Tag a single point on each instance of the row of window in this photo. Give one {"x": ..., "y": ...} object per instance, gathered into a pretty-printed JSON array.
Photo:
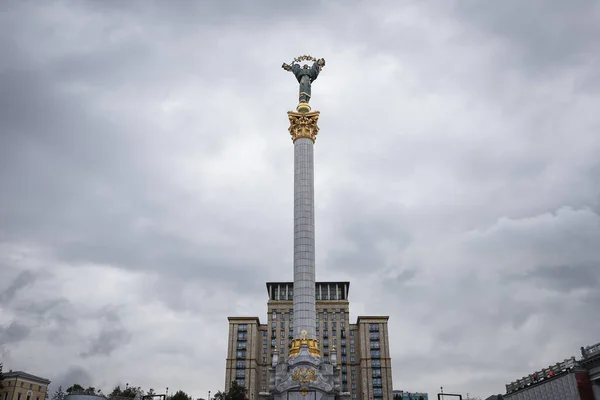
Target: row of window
[
  {"x": 8, "y": 383},
  {"x": 19, "y": 395},
  {"x": 320, "y": 315}
]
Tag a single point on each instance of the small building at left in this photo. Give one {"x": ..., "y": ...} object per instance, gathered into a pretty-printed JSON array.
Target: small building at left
[{"x": 19, "y": 385}]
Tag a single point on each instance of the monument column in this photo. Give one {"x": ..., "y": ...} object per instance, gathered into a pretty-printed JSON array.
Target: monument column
[{"x": 304, "y": 130}]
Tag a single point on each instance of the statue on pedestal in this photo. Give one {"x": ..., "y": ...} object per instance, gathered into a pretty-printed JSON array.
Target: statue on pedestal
[{"x": 306, "y": 76}]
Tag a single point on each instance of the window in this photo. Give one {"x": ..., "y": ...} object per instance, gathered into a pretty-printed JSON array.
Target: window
[
  {"x": 351, "y": 333},
  {"x": 375, "y": 354},
  {"x": 333, "y": 315},
  {"x": 344, "y": 359},
  {"x": 264, "y": 333},
  {"x": 376, "y": 373},
  {"x": 344, "y": 368},
  {"x": 342, "y": 324},
  {"x": 19, "y": 396},
  {"x": 241, "y": 382},
  {"x": 334, "y": 342},
  {"x": 352, "y": 359},
  {"x": 351, "y": 341},
  {"x": 241, "y": 345},
  {"x": 377, "y": 391},
  {"x": 265, "y": 350},
  {"x": 374, "y": 327},
  {"x": 320, "y": 315},
  {"x": 354, "y": 386},
  {"x": 282, "y": 324},
  {"x": 325, "y": 315},
  {"x": 282, "y": 341},
  {"x": 240, "y": 364},
  {"x": 353, "y": 395},
  {"x": 353, "y": 377},
  {"x": 317, "y": 325},
  {"x": 374, "y": 335},
  {"x": 376, "y": 381},
  {"x": 353, "y": 368},
  {"x": 273, "y": 342},
  {"x": 264, "y": 359},
  {"x": 344, "y": 378},
  {"x": 343, "y": 342},
  {"x": 325, "y": 342},
  {"x": 325, "y": 325},
  {"x": 334, "y": 324},
  {"x": 242, "y": 336},
  {"x": 240, "y": 354},
  {"x": 274, "y": 315},
  {"x": 375, "y": 363},
  {"x": 240, "y": 373},
  {"x": 375, "y": 345},
  {"x": 273, "y": 325},
  {"x": 334, "y": 333},
  {"x": 242, "y": 328},
  {"x": 342, "y": 315},
  {"x": 282, "y": 333},
  {"x": 351, "y": 349}
]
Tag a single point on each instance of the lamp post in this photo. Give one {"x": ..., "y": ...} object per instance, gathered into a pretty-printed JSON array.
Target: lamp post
[{"x": 209, "y": 395}]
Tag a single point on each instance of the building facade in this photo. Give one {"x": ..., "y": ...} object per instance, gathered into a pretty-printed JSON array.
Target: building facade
[
  {"x": 590, "y": 360},
  {"x": 565, "y": 380},
  {"x": 19, "y": 385},
  {"x": 361, "y": 348}
]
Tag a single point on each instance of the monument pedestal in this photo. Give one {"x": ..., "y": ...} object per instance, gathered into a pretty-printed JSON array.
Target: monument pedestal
[{"x": 304, "y": 377}]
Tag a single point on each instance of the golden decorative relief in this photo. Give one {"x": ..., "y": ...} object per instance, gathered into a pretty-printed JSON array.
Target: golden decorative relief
[
  {"x": 303, "y": 125},
  {"x": 312, "y": 344},
  {"x": 304, "y": 375}
]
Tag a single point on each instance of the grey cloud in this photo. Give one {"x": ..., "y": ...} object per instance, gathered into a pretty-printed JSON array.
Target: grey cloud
[
  {"x": 24, "y": 279},
  {"x": 542, "y": 35},
  {"x": 13, "y": 333},
  {"x": 107, "y": 341},
  {"x": 71, "y": 376}
]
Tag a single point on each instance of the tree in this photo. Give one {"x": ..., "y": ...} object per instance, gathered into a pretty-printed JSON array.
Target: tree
[
  {"x": 76, "y": 388},
  {"x": 1, "y": 377},
  {"x": 116, "y": 392},
  {"x": 59, "y": 394},
  {"x": 180, "y": 395},
  {"x": 235, "y": 392}
]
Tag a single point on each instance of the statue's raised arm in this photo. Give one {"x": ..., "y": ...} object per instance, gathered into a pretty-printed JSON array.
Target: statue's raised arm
[{"x": 305, "y": 76}]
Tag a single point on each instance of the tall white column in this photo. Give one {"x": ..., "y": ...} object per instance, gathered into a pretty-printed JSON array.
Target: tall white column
[
  {"x": 304, "y": 130},
  {"x": 304, "y": 239}
]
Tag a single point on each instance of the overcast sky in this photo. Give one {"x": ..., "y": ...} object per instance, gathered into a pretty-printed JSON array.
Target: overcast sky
[{"x": 146, "y": 182}]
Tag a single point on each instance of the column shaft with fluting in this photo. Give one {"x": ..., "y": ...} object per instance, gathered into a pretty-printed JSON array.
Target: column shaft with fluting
[
  {"x": 304, "y": 129},
  {"x": 304, "y": 239}
]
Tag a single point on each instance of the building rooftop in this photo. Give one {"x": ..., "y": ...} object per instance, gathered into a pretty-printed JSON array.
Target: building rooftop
[
  {"x": 328, "y": 291},
  {"x": 25, "y": 375}
]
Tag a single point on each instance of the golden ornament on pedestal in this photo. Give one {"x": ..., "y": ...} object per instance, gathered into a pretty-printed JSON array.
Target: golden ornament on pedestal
[{"x": 312, "y": 344}]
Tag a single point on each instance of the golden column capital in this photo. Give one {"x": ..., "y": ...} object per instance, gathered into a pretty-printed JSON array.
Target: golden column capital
[{"x": 303, "y": 125}]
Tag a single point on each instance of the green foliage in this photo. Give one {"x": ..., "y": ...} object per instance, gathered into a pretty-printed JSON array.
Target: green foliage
[
  {"x": 59, "y": 394},
  {"x": 180, "y": 395},
  {"x": 76, "y": 388},
  {"x": 236, "y": 392}
]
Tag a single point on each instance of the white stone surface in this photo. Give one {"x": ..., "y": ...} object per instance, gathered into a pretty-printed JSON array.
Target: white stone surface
[{"x": 304, "y": 239}]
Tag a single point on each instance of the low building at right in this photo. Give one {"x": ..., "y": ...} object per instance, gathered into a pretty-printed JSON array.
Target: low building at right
[
  {"x": 570, "y": 379},
  {"x": 403, "y": 395}
]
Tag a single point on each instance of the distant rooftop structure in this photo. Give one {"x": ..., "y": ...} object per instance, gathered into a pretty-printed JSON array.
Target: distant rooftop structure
[
  {"x": 544, "y": 374},
  {"x": 590, "y": 351},
  {"x": 25, "y": 375}
]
